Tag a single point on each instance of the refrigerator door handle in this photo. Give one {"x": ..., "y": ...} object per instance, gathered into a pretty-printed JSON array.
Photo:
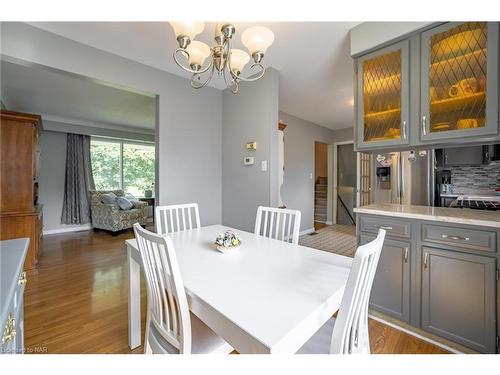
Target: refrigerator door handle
[{"x": 400, "y": 178}]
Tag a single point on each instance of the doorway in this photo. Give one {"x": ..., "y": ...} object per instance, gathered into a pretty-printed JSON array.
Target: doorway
[
  {"x": 320, "y": 184},
  {"x": 345, "y": 182}
]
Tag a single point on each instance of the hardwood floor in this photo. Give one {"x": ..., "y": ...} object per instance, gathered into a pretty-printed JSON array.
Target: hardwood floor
[
  {"x": 77, "y": 303},
  {"x": 319, "y": 225}
]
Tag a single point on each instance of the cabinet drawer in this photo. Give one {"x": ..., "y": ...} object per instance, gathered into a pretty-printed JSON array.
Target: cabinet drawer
[
  {"x": 395, "y": 228},
  {"x": 469, "y": 239}
]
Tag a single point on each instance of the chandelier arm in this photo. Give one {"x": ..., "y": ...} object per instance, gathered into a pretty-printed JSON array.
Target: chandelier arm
[
  {"x": 234, "y": 87},
  {"x": 209, "y": 78},
  {"x": 188, "y": 69},
  {"x": 240, "y": 78}
]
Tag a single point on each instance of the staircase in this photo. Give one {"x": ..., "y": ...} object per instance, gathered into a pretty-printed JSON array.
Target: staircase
[{"x": 320, "y": 191}]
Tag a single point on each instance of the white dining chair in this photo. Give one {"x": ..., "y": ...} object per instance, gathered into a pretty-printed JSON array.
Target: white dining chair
[
  {"x": 176, "y": 218},
  {"x": 348, "y": 334},
  {"x": 278, "y": 223},
  {"x": 170, "y": 327}
]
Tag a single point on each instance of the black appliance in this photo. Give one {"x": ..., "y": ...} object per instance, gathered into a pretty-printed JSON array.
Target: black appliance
[{"x": 491, "y": 203}]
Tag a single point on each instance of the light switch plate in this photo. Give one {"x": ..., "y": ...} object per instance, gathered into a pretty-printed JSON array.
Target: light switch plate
[
  {"x": 263, "y": 165},
  {"x": 248, "y": 160}
]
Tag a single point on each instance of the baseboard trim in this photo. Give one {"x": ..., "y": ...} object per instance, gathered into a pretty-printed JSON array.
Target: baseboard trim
[
  {"x": 414, "y": 334},
  {"x": 306, "y": 231},
  {"x": 66, "y": 230},
  {"x": 329, "y": 223}
]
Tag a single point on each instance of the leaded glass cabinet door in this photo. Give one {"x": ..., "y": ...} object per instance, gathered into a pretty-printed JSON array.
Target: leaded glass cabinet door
[
  {"x": 459, "y": 88},
  {"x": 383, "y": 97}
]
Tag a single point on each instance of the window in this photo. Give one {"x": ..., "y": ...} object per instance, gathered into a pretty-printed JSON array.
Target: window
[{"x": 118, "y": 164}]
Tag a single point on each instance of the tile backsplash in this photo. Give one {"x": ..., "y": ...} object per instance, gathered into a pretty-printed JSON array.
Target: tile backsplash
[{"x": 482, "y": 179}]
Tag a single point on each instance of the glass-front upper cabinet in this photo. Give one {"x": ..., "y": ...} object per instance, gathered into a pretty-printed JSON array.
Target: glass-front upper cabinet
[
  {"x": 383, "y": 97},
  {"x": 459, "y": 87}
]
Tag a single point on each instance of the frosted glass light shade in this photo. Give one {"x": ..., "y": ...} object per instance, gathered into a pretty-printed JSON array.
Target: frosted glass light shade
[
  {"x": 190, "y": 29},
  {"x": 257, "y": 39},
  {"x": 239, "y": 59},
  {"x": 198, "y": 52}
]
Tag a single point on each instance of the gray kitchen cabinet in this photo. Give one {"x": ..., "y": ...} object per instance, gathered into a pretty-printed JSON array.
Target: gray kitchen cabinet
[
  {"x": 458, "y": 297},
  {"x": 391, "y": 287},
  {"x": 459, "y": 81},
  {"x": 448, "y": 93},
  {"x": 383, "y": 98}
]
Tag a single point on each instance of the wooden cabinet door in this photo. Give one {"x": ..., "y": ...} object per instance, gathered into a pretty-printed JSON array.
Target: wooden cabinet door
[
  {"x": 391, "y": 288},
  {"x": 459, "y": 81},
  {"x": 383, "y": 97},
  {"x": 458, "y": 297}
]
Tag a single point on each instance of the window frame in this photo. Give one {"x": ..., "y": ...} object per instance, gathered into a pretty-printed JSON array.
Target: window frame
[{"x": 123, "y": 141}]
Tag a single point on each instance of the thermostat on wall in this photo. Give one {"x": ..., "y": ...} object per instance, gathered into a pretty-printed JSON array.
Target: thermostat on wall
[
  {"x": 251, "y": 145},
  {"x": 248, "y": 160}
]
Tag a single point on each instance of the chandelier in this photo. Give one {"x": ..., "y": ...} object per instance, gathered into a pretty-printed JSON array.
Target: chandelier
[{"x": 228, "y": 62}]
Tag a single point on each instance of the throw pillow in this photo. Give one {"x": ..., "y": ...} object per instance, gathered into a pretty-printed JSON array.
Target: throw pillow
[
  {"x": 124, "y": 203},
  {"x": 108, "y": 198},
  {"x": 131, "y": 198}
]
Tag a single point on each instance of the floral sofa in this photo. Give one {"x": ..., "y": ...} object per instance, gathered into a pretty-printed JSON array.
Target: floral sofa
[{"x": 111, "y": 217}]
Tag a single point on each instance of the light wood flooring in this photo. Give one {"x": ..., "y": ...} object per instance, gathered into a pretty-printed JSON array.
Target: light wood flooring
[{"x": 77, "y": 303}]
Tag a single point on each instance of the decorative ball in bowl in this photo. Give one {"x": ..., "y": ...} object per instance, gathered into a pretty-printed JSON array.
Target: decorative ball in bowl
[{"x": 227, "y": 242}]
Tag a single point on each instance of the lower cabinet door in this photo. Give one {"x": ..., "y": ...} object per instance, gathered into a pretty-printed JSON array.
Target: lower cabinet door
[
  {"x": 458, "y": 297},
  {"x": 391, "y": 288}
]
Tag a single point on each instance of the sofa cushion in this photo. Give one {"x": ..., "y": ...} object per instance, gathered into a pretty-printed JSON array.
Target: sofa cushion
[
  {"x": 124, "y": 203},
  {"x": 108, "y": 198},
  {"x": 131, "y": 198}
]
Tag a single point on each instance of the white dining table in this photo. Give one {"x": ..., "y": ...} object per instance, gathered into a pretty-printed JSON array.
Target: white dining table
[{"x": 268, "y": 296}]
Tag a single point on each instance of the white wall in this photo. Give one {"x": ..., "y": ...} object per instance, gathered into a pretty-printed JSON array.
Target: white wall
[
  {"x": 251, "y": 115},
  {"x": 189, "y": 130},
  {"x": 298, "y": 187}
]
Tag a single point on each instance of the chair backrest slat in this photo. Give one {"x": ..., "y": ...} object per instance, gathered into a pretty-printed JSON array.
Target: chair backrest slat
[
  {"x": 167, "y": 303},
  {"x": 350, "y": 333},
  {"x": 275, "y": 223},
  {"x": 176, "y": 218}
]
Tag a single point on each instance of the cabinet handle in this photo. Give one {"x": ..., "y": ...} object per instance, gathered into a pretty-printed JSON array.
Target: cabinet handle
[
  {"x": 404, "y": 129},
  {"x": 382, "y": 227},
  {"x": 9, "y": 332},
  {"x": 22, "y": 278},
  {"x": 458, "y": 238},
  {"x": 406, "y": 255},
  {"x": 424, "y": 125},
  {"x": 426, "y": 256}
]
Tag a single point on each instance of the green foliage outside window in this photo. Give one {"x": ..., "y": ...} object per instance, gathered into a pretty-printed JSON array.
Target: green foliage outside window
[{"x": 138, "y": 166}]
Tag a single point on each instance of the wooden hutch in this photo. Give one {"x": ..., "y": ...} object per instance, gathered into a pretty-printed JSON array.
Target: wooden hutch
[{"x": 20, "y": 213}]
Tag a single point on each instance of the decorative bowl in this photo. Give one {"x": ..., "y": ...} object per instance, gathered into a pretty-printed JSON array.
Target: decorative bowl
[
  {"x": 227, "y": 242},
  {"x": 225, "y": 250}
]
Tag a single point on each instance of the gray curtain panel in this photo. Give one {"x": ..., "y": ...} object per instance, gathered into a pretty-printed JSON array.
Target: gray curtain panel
[{"x": 79, "y": 180}]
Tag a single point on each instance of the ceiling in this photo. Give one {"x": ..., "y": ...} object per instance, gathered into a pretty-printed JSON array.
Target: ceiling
[
  {"x": 59, "y": 95},
  {"x": 316, "y": 70}
]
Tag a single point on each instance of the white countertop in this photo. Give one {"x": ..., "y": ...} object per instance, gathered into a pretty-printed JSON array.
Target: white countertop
[{"x": 450, "y": 215}]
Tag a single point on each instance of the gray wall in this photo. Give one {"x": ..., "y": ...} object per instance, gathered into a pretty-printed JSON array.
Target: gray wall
[
  {"x": 189, "y": 131},
  {"x": 251, "y": 115},
  {"x": 57, "y": 126},
  {"x": 298, "y": 187},
  {"x": 52, "y": 175},
  {"x": 368, "y": 35}
]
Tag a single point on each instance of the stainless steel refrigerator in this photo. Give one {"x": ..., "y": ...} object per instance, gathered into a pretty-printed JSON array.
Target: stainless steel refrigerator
[{"x": 404, "y": 177}]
